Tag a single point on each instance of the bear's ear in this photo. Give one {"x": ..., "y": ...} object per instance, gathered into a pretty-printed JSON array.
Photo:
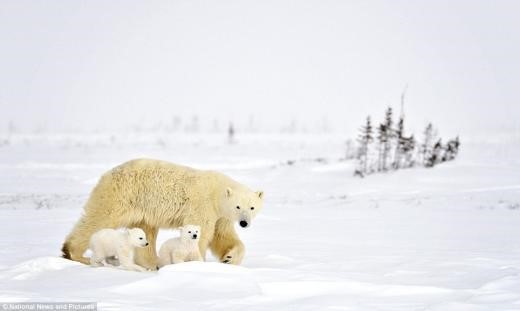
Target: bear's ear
[
  {"x": 229, "y": 192},
  {"x": 260, "y": 194},
  {"x": 180, "y": 228}
]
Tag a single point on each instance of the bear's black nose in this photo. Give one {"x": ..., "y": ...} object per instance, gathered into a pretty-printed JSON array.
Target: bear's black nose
[
  {"x": 243, "y": 223},
  {"x": 147, "y": 244},
  {"x": 194, "y": 236}
]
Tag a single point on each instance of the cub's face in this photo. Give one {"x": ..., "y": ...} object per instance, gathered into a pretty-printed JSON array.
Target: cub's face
[
  {"x": 190, "y": 232},
  {"x": 137, "y": 237},
  {"x": 242, "y": 206}
]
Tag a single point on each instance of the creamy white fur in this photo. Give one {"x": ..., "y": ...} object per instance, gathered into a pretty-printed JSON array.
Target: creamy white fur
[
  {"x": 152, "y": 194},
  {"x": 108, "y": 243},
  {"x": 183, "y": 248}
]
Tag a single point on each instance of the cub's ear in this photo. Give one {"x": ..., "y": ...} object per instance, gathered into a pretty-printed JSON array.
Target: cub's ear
[
  {"x": 180, "y": 228},
  {"x": 229, "y": 192},
  {"x": 260, "y": 194}
]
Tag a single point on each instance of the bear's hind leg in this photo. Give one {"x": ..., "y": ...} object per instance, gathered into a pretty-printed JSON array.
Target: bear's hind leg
[
  {"x": 147, "y": 256},
  {"x": 77, "y": 242}
]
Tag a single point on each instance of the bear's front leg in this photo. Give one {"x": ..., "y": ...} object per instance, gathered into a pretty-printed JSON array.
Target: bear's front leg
[
  {"x": 206, "y": 235},
  {"x": 235, "y": 255},
  {"x": 226, "y": 245}
]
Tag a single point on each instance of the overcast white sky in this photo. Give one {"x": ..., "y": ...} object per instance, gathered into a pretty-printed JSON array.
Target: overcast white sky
[{"x": 91, "y": 64}]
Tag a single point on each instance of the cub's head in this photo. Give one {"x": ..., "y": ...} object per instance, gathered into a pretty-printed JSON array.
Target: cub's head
[
  {"x": 242, "y": 205},
  {"x": 137, "y": 237},
  {"x": 190, "y": 232}
]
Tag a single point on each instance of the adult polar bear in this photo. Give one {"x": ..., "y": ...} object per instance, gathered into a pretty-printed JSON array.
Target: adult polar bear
[{"x": 152, "y": 194}]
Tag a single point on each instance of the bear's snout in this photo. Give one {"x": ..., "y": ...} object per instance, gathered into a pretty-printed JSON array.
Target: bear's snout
[
  {"x": 146, "y": 244},
  {"x": 194, "y": 236},
  {"x": 243, "y": 223}
]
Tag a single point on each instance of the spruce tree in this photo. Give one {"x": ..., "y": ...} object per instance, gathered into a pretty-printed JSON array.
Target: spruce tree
[
  {"x": 457, "y": 145},
  {"x": 382, "y": 137},
  {"x": 436, "y": 156},
  {"x": 408, "y": 151},
  {"x": 400, "y": 141},
  {"x": 389, "y": 135},
  {"x": 427, "y": 144},
  {"x": 364, "y": 139},
  {"x": 452, "y": 149}
]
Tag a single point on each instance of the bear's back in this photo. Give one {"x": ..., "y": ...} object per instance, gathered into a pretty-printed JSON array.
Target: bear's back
[
  {"x": 160, "y": 192},
  {"x": 153, "y": 164}
]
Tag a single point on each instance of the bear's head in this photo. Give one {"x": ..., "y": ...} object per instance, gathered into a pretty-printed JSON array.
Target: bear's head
[
  {"x": 242, "y": 205},
  {"x": 190, "y": 232},
  {"x": 137, "y": 237}
]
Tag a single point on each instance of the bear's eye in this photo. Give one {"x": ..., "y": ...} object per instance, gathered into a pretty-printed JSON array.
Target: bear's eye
[
  {"x": 252, "y": 208},
  {"x": 140, "y": 238},
  {"x": 238, "y": 207},
  {"x": 189, "y": 231}
]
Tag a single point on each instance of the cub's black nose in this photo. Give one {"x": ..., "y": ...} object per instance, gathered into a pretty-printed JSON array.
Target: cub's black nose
[
  {"x": 243, "y": 223},
  {"x": 194, "y": 236},
  {"x": 147, "y": 244}
]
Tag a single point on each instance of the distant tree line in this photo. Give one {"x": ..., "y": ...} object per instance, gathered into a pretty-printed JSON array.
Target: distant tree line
[{"x": 387, "y": 147}]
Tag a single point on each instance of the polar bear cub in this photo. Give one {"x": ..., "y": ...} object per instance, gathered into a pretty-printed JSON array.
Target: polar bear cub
[
  {"x": 181, "y": 249},
  {"x": 106, "y": 244}
]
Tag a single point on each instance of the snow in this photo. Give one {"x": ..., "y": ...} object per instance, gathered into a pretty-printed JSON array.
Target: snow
[{"x": 420, "y": 239}]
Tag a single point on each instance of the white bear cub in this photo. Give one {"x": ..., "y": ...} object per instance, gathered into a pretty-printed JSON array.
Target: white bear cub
[
  {"x": 109, "y": 243},
  {"x": 181, "y": 249}
]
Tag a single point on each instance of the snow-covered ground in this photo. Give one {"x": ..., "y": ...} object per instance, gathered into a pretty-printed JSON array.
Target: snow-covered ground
[{"x": 421, "y": 239}]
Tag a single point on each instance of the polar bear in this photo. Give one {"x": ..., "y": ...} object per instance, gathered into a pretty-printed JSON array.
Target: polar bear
[
  {"x": 181, "y": 249},
  {"x": 108, "y": 243},
  {"x": 152, "y": 194}
]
